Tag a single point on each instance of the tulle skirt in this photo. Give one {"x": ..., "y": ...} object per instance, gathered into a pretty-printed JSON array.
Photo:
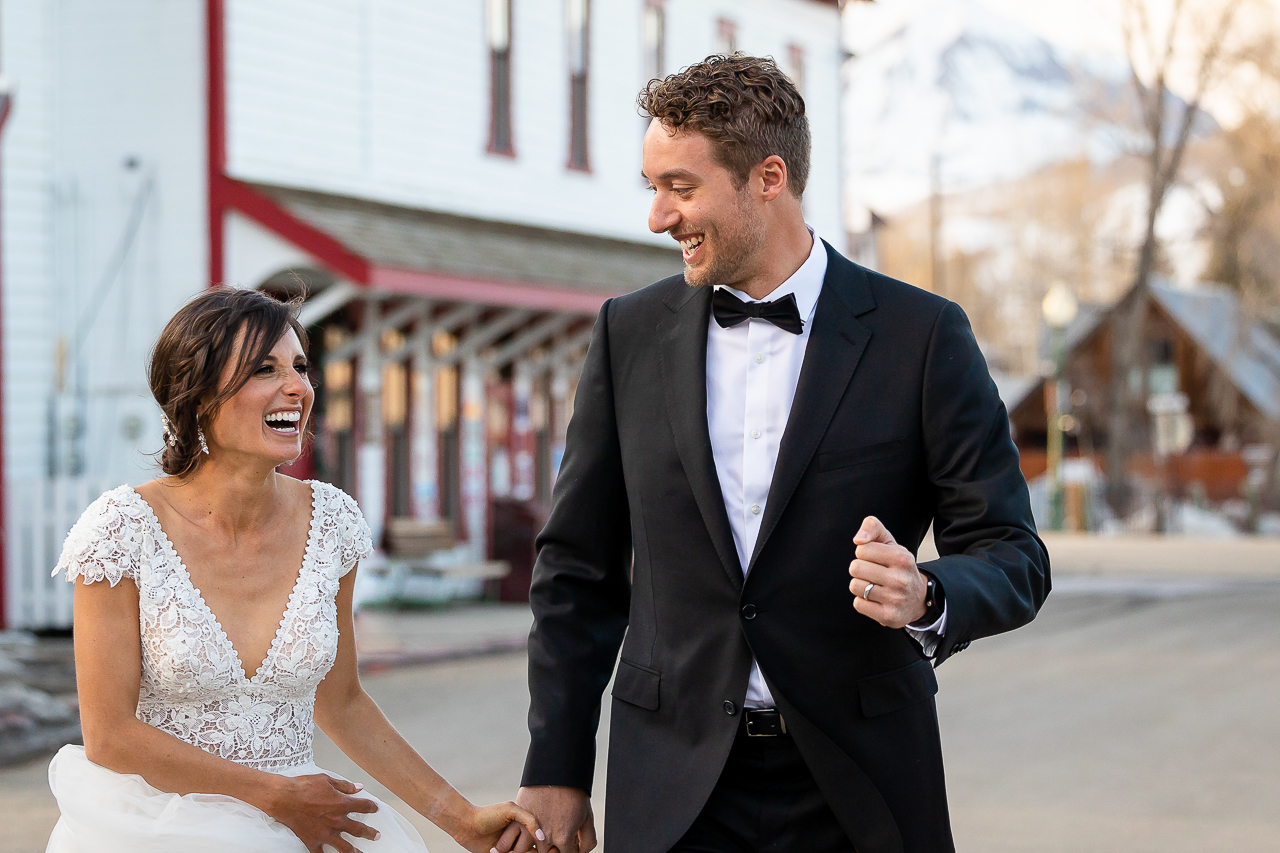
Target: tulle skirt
[{"x": 108, "y": 812}]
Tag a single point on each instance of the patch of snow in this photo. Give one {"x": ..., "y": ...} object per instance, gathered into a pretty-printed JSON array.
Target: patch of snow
[
  {"x": 1189, "y": 520},
  {"x": 1269, "y": 524}
]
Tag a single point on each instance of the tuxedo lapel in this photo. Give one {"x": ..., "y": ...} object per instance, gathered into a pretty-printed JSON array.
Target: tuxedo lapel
[
  {"x": 684, "y": 376},
  {"x": 836, "y": 344}
]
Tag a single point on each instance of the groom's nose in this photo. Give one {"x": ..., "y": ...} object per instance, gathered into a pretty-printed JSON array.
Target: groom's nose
[{"x": 663, "y": 215}]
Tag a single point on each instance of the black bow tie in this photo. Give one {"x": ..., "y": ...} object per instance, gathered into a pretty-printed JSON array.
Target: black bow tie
[{"x": 730, "y": 311}]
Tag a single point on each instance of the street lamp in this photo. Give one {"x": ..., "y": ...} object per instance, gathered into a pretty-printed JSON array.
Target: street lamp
[{"x": 1059, "y": 308}]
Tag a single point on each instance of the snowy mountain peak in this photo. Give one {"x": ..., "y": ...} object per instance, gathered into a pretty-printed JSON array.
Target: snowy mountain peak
[{"x": 952, "y": 80}]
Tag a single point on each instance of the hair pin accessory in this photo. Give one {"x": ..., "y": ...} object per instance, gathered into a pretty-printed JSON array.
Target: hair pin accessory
[{"x": 169, "y": 437}]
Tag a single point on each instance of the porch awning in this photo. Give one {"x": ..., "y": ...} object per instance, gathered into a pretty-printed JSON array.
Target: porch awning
[{"x": 408, "y": 251}]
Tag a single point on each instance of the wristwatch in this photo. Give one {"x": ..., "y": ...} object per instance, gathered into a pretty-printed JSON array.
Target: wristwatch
[{"x": 934, "y": 601}]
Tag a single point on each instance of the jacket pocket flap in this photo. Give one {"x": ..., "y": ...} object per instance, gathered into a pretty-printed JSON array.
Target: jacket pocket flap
[
  {"x": 859, "y": 455},
  {"x": 897, "y": 689},
  {"x": 637, "y": 685}
]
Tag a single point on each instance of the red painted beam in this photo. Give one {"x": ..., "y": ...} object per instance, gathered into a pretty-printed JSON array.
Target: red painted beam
[
  {"x": 489, "y": 292},
  {"x": 216, "y": 132},
  {"x": 273, "y": 216}
]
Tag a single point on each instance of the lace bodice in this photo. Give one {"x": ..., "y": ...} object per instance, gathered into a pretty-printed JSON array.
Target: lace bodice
[{"x": 193, "y": 684}]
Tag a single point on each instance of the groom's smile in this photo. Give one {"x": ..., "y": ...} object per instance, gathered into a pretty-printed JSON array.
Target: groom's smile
[{"x": 690, "y": 246}]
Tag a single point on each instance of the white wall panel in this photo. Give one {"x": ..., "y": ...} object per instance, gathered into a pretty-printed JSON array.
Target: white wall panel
[
  {"x": 109, "y": 111},
  {"x": 298, "y": 81},
  {"x": 130, "y": 107},
  {"x": 26, "y": 160}
]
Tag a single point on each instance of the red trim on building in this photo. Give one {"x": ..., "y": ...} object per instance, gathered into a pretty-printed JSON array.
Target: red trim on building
[
  {"x": 270, "y": 214},
  {"x": 515, "y": 294},
  {"x": 226, "y": 194},
  {"x": 340, "y": 259},
  {"x": 216, "y": 131}
]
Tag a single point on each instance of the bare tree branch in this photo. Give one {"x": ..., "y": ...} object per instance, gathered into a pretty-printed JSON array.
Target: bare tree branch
[{"x": 1207, "y": 75}]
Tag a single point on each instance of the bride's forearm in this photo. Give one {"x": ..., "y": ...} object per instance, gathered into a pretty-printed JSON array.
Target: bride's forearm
[
  {"x": 171, "y": 765},
  {"x": 363, "y": 732}
]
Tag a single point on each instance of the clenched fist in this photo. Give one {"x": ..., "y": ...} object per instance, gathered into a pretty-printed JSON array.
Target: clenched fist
[{"x": 886, "y": 584}]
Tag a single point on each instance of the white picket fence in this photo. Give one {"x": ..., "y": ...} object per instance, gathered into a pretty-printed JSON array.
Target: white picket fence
[{"x": 40, "y": 512}]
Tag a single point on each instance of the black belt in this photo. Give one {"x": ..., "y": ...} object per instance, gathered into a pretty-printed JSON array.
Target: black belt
[{"x": 763, "y": 722}]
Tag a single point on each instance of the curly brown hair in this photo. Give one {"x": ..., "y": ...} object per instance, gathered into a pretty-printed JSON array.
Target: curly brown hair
[
  {"x": 745, "y": 105},
  {"x": 194, "y": 350}
]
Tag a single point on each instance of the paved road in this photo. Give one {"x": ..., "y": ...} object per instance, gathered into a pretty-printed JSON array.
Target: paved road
[
  {"x": 1136, "y": 717},
  {"x": 1122, "y": 722}
]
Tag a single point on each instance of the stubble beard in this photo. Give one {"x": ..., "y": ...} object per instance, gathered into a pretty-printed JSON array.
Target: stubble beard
[{"x": 737, "y": 240}]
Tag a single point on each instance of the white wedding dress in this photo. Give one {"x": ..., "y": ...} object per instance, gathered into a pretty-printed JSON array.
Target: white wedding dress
[{"x": 194, "y": 687}]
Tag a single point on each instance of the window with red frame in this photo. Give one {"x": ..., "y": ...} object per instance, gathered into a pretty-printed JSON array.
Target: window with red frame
[
  {"x": 577, "y": 22},
  {"x": 498, "y": 36}
]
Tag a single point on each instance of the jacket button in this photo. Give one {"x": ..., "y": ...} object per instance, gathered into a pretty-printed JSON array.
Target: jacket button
[
  {"x": 749, "y": 611},
  {"x": 730, "y": 708}
]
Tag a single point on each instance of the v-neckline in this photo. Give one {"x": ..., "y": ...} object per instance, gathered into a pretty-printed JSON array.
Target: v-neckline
[{"x": 185, "y": 574}]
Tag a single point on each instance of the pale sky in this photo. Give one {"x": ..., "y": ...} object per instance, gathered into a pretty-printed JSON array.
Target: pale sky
[
  {"x": 1094, "y": 25},
  {"x": 1078, "y": 24}
]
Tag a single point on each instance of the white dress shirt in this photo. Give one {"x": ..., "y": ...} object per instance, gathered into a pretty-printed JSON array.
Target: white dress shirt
[{"x": 752, "y": 372}]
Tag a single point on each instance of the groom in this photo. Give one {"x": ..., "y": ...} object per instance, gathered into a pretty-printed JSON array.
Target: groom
[{"x": 757, "y": 449}]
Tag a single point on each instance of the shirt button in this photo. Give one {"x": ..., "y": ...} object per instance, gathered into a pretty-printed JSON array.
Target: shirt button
[
  {"x": 748, "y": 611},
  {"x": 759, "y": 357},
  {"x": 730, "y": 708},
  {"x": 755, "y": 509},
  {"x": 755, "y": 433}
]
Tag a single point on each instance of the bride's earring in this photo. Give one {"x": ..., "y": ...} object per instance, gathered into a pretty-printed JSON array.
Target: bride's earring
[
  {"x": 169, "y": 438},
  {"x": 200, "y": 437}
]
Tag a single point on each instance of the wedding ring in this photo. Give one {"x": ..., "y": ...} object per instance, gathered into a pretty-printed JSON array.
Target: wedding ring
[{"x": 866, "y": 593}]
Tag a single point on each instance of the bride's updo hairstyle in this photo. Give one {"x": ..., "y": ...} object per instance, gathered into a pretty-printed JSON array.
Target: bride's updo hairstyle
[{"x": 192, "y": 353}]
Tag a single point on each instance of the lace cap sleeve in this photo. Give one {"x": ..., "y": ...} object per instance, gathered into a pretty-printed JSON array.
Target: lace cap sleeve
[
  {"x": 354, "y": 541},
  {"x": 106, "y": 542}
]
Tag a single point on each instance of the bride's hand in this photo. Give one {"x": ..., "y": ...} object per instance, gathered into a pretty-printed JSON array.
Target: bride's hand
[
  {"x": 498, "y": 827},
  {"x": 316, "y": 808}
]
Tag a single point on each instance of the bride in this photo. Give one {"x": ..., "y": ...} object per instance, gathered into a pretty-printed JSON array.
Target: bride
[{"x": 213, "y": 622}]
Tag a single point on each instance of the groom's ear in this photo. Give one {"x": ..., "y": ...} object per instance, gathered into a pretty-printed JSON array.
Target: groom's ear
[{"x": 772, "y": 175}]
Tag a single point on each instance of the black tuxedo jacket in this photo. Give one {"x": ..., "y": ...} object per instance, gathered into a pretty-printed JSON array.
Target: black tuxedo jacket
[{"x": 895, "y": 415}]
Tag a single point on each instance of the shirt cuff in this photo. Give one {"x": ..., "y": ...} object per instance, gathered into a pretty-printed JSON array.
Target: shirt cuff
[{"x": 928, "y": 636}]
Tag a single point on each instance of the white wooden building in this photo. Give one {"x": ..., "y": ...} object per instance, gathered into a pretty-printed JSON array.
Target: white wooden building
[{"x": 454, "y": 186}]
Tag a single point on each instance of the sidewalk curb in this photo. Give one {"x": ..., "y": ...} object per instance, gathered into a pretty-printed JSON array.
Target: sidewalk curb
[{"x": 376, "y": 662}]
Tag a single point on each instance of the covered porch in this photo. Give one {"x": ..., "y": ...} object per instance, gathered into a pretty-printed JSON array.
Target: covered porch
[{"x": 448, "y": 351}]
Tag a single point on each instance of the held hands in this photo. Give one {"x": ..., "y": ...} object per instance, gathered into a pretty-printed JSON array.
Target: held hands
[
  {"x": 566, "y": 818},
  {"x": 502, "y": 827},
  {"x": 317, "y": 809},
  {"x": 896, "y": 595}
]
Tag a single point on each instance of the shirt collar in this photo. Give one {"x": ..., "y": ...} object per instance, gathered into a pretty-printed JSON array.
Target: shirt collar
[{"x": 805, "y": 283}]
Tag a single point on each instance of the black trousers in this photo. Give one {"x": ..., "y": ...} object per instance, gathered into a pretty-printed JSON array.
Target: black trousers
[{"x": 766, "y": 801}]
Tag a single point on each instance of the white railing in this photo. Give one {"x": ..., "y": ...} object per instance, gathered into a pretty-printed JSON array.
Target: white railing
[{"x": 40, "y": 512}]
